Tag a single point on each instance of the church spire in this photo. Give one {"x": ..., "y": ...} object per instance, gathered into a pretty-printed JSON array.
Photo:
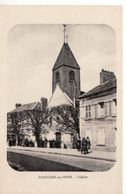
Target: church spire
[
  {"x": 65, "y": 34},
  {"x": 66, "y": 71}
]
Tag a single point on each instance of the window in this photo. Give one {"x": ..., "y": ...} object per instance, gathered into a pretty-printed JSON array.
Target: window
[
  {"x": 96, "y": 111},
  {"x": 110, "y": 108},
  {"x": 57, "y": 77},
  {"x": 101, "y": 113},
  {"x": 106, "y": 109},
  {"x": 101, "y": 104},
  {"x": 71, "y": 76},
  {"x": 88, "y": 111},
  {"x": 114, "y": 107},
  {"x": 115, "y": 100}
]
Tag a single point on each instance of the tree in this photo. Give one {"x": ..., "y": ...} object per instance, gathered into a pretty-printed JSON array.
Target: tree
[
  {"x": 39, "y": 119},
  {"x": 13, "y": 125},
  {"x": 67, "y": 117}
]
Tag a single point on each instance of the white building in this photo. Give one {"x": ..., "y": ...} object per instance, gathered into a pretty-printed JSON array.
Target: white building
[{"x": 98, "y": 112}]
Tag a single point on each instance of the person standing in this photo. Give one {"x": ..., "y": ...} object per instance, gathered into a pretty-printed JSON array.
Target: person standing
[
  {"x": 88, "y": 142},
  {"x": 79, "y": 144},
  {"x": 84, "y": 146},
  {"x": 45, "y": 142}
]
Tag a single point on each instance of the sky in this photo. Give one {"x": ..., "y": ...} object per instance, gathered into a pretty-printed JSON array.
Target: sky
[{"x": 32, "y": 50}]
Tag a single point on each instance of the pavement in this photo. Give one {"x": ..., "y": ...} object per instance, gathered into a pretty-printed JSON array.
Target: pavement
[{"x": 93, "y": 154}]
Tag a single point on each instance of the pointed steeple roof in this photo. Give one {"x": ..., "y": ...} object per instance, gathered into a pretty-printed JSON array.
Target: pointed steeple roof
[{"x": 66, "y": 58}]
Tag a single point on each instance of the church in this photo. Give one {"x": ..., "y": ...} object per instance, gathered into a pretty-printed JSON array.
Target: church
[{"x": 65, "y": 87}]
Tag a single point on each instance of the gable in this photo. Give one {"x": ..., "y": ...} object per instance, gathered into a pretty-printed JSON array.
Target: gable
[{"x": 59, "y": 98}]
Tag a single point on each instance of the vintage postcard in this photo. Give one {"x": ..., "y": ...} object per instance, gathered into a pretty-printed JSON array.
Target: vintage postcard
[{"x": 61, "y": 69}]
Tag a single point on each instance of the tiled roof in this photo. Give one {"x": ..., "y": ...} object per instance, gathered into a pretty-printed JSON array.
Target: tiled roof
[
  {"x": 66, "y": 58},
  {"x": 29, "y": 106},
  {"x": 107, "y": 86}
]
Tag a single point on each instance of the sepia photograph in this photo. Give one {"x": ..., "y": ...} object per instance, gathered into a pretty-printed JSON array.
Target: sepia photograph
[
  {"x": 62, "y": 113},
  {"x": 61, "y": 99}
]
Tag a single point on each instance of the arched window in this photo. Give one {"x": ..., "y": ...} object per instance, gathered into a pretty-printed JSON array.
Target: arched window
[
  {"x": 57, "y": 77},
  {"x": 71, "y": 76}
]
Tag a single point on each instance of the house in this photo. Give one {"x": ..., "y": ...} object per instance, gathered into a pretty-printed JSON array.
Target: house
[
  {"x": 98, "y": 112},
  {"x": 19, "y": 124}
]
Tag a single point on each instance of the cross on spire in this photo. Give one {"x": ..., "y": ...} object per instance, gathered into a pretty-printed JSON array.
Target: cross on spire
[{"x": 65, "y": 34}]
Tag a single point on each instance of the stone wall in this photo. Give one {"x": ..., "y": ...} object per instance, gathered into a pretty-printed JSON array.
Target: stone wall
[{"x": 71, "y": 89}]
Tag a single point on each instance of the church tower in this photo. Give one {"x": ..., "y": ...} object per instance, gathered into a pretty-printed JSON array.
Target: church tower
[{"x": 66, "y": 71}]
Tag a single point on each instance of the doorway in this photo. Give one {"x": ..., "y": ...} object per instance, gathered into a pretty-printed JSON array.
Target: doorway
[{"x": 58, "y": 140}]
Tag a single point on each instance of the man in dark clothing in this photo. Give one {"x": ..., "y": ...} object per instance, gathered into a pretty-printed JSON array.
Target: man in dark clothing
[
  {"x": 45, "y": 142},
  {"x": 84, "y": 146},
  {"x": 79, "y": 144},
  {"x": 88, "y": 142}
]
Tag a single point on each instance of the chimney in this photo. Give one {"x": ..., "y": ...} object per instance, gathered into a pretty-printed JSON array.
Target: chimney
[
  {"x": 106, "y": 76},
  {"x": 17, "y": 105},
  {"x": 44, "y": 102}
]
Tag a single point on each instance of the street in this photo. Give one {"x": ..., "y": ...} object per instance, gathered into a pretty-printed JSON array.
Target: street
[{"x": 38, "y": 161}]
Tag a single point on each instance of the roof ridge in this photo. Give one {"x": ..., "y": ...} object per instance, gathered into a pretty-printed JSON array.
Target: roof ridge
[
  {"x": 96, "y": 89},
  {"x": 104, "y": 82},
  {"x": 35, "y": 105},
  {"x": 28, "y": 103}
]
